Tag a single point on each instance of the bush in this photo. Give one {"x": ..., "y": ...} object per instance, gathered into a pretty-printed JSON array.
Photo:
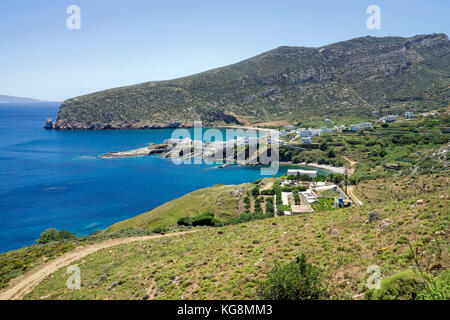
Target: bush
[
  {"x": 269, "y": 207},
  {"x": 184, "y": 221},
  {"x": 297, "y": 280},
  {"x": 159, "y": 230},
  {"x": 267, "y": 192},
  {"x": 205, "y": 219},
  {"x": 439, "y": 288},
  {"x": 255, "y": 191},
  {"x": 51, "y": 235},
  {"x": 404, "y": 285}
]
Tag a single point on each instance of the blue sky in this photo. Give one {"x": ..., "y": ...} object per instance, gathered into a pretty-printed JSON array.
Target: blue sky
[{"x": 127, "y": 42}]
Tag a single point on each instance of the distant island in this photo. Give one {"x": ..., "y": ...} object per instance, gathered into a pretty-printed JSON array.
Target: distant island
[{"x": 12, "y": 99}]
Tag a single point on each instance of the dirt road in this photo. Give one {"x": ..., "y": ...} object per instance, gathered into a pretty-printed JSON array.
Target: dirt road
[
  {"x": 24, "y": 284},
  {"x": 352, "y": 195}
]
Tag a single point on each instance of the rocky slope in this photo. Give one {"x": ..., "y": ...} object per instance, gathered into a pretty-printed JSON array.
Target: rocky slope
[{"x": 353, "y": 77}]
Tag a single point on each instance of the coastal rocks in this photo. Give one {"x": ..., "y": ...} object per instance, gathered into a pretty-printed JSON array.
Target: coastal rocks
[
  {"x": 146, "y": 151},
  {"x": 49, "y": 124},
  {"x": 63, "y": 124}
]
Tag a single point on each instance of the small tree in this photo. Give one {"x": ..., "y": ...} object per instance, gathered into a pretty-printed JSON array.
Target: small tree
[
  {"x": 51, "y": 235},
  {"x": 297, "y": 280},
  {"x": 184, "y": 221}
]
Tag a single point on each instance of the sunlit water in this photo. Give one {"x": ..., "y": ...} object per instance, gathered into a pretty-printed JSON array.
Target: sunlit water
[{"x": 56, "y": 179}]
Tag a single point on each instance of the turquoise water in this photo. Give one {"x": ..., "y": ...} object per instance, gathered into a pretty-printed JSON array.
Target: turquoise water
[{"x": 56, "y": 179}]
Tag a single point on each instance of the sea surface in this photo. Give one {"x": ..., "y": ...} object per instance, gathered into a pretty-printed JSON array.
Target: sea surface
[{"x": 56, "y": 179}]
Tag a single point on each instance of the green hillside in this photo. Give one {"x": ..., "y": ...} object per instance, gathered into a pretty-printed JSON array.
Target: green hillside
[
  {"x": 350, "y": 78},
  {"x": 229, "y": 262}
]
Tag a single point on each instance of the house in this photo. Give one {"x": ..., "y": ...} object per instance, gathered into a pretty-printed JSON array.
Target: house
[
  {"x": 361, "y": 126},
  {"x": 304, "y": 133},
  {"x": 289, "y": 127},
  {"x": 325, "y": 130},
  {"x": 389, "y": 118},
  {"x": 409, "y": 115},
  {"x": 338, "y": 128},
  {"x": 327, "y": 120},
  {"x": 309, "y": 173},
  {"x": 283, "y": 133},
  {"x": 306, "y": 140}
]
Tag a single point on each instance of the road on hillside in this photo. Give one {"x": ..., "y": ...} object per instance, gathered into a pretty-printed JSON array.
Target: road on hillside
[{"x": 24, "y": 284}]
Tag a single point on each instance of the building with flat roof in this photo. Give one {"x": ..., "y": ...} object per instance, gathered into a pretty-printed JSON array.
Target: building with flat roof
[
  {"x": 309, "y": 173},
  {"x": 409, "y": 115}
]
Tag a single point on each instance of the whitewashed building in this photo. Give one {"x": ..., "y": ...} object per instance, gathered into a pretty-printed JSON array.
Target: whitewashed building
[
  {"x": 306, "y": 140},
  {"x": 309, "y": 173}
]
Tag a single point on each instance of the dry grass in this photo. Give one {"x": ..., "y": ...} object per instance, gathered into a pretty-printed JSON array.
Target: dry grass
[{"x": 226, "y": 263}]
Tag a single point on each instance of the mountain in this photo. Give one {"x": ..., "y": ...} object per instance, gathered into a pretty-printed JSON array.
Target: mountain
[
  {"x": 12, "y": 99},
  {"x": 349, "y": 78}
]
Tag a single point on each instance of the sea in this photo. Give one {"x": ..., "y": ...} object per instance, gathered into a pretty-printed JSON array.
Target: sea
[{"x": 52, "y": 178}]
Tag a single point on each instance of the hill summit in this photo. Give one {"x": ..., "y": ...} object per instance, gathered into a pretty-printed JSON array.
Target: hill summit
[{"x": 354, "y": 77}]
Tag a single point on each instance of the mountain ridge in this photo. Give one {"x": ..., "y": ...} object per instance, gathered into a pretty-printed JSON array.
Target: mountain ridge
[
  {"x": 355, "y": 76},
  {"x": 14, "y": 99}
]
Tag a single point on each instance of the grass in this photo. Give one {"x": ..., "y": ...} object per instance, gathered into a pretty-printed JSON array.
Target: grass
[
  {"x": 219, "y": 199},
  {"x": 228, "y": 262}
]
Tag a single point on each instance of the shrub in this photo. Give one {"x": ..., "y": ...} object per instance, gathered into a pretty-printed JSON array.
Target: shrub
[
  {"x": 404, "y": 285},
  {"x": 184, "y": 221},
  {"x": 297, "y": 280},
  {"x": 285, "y": 207},
  {"x": 51, "y": 235},
  {"x": 159, "y": 230},
  {"x": 269, "y": 207},
  {"x": 267, "y": 192},
  {"x": 205, "y": 219},
  {"x": 296, "y": 198},
  {"x": 255, "y": 191},
  {"x": 439, "y": 288}
]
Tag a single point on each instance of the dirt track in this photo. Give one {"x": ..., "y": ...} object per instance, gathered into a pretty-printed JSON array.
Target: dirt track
[
  {"x": 352, "y": 195},
  {"x": 24, "y": 284}
]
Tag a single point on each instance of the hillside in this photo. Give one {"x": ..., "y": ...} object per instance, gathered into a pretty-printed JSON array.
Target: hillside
[
  {"x": 353, "y": 77},
  {"x": 228, "y": 262},
  {"x": 220, "y": 199}
]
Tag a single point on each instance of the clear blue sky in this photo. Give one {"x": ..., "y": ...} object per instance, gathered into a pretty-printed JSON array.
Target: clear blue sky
[{"x": 124, "y": 42}]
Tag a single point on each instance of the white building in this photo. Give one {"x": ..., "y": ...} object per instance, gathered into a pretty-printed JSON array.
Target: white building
[
  {"x": 306, "y": 140},
  {"x": 389, "y": 118},
  {"x": 309, "y": 173},
  {"x": 304, "y": 133},
  {"x": 409, "y": 115},
  {"x": 361, "y": 126},
  {"x": 325, "y": 130},
  {"x": 289, "y": 127},
  {"x": 338, "y": 128}
]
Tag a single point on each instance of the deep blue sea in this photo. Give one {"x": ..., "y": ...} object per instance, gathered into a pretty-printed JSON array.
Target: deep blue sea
[{"x": 56, "y": 179}]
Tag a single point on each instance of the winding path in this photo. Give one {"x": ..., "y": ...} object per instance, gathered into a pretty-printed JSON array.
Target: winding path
[
  {"x": 25, "y": 283},
  {"x": 350, "y": 188}
]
